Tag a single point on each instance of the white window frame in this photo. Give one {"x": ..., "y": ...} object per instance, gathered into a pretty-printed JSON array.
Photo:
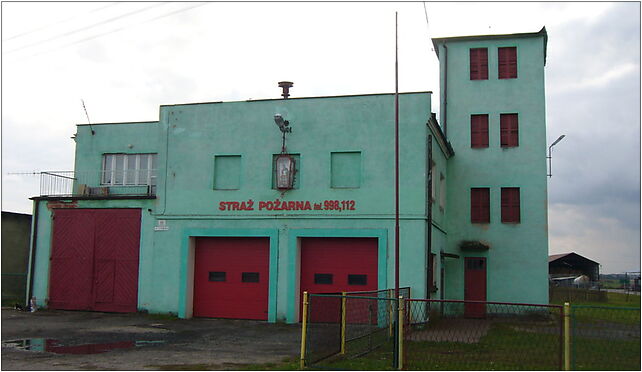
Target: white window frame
[{"x": 142, "y": 177}]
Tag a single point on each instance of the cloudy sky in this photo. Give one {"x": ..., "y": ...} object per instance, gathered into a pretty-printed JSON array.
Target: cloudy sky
[{"x": 126, "y": 59}]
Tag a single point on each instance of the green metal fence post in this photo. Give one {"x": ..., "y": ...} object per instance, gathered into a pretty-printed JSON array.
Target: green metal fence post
[{"x": 567, "y": 336}]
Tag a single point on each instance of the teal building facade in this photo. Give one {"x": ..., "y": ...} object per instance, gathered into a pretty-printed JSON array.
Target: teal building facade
[{"x": 185, "y": 215}]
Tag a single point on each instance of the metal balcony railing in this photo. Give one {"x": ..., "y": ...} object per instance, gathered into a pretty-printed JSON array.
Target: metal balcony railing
[{"x": 98, "y": 183}]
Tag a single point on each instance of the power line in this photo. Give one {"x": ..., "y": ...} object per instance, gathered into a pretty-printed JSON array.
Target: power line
[
  {"x": 426, "y": 13},
  {"x": 116, "y": 30},
  {"x": 84, "y": 28},
  {"x": 59, "y": 22}
]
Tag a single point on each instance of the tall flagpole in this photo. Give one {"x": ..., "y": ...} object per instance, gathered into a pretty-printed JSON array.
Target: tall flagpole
[{"x": 396, "y": 161}]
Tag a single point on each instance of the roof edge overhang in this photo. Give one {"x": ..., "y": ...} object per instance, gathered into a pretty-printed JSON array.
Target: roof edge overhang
[
  {"x": 106, "y": 197},
  {"x": 541, "y": 33},
  {"x": 444, "y": 145},
  {"x": 297, "y": 98}
]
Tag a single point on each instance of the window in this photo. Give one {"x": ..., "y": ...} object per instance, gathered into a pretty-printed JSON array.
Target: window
[
  {"x": 480, "y": 205},
  {"x": 507, "y": 64},
  {"x": 479, "y": 131},
  {"x": 479, "y": 64},
  {"x": 129, "y": 169},
  {"x": 227, "y": 172},
  {"x": 250, "y": 277},
  {"x": 322, "y": 278},
  {"x": 475, "y": 263},
  {"x": 357, "y": 279},
  {"x": 432, "y": 263},
  {"x": 442, "y": 191},
  {"x": 345, "y": 170},
  {"x": 217, "y": 276},
  {"x": 508, "y": 128},
  {"x": 510, "y": 205},
  {"x": 433, "y": 182}
]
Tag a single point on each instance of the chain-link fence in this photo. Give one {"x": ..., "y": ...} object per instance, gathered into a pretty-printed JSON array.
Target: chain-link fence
[
  {"x": 473, "y": 335},
  {"x": 359, "y": 331},
  {"x": 605, "y": 338},
  {"x": 341, "y": 328}
]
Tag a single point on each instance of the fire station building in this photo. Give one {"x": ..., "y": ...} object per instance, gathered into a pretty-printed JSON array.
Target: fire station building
[{"x": 233, "y": 209}]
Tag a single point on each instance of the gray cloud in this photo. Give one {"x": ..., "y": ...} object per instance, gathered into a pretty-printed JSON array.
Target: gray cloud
[{"x": 594, "y": 98}]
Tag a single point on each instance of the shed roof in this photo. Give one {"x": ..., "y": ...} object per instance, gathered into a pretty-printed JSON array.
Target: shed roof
[{"x": 555, "y": 257}]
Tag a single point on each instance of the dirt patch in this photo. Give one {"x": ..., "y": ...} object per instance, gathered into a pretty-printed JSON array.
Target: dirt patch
[{"x": 66, "y": 340}]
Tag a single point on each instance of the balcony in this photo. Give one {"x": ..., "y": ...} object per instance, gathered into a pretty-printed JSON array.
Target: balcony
[{"x": 98, "y": 184}]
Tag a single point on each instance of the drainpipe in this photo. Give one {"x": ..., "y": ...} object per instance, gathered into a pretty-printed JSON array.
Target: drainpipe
[
  {"x": 32, "y": 251},
  {"x": 445, "y": 115}
]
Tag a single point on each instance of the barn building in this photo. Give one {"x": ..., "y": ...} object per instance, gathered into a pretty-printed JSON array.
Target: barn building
[
  {"x": 215, "y": 211},
  {"x": 572, "y": 265}
]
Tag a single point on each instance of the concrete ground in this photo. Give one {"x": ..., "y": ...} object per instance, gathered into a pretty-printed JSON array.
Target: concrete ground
[{"x": 69, "y": 340}]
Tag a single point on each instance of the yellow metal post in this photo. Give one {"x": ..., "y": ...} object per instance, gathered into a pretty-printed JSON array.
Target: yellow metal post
[
  {"x": 400, "y": 328},
  {"x": 567, "y": 336},
  {"x": 343, "y": 322},
  {"x": 391, "y": 313},
  {"x": 304, "y": 328}
]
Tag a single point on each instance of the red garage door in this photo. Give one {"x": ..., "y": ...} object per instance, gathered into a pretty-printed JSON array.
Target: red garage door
[
  {"x": 231, "y": 277},
  {"x": 332, "y": 265},
  {"x": 94, "y": 260}
]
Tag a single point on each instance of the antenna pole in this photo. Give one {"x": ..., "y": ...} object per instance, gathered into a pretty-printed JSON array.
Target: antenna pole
[
  {"x": 396, "y": 160},
  {"x": 86, "y": 114}
]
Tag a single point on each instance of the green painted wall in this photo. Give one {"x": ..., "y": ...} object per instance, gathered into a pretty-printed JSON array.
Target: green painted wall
[
  {"x": 187, "y": 138},
  {"x": 517, "y": 258}
]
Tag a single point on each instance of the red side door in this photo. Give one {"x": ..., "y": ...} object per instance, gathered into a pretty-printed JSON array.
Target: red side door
[
  {"x": 475, "y": 286},
  {"x": 231, "y": 278},
  {"x": 335, "y": 265},
  {"x": 94, "y": 260}
]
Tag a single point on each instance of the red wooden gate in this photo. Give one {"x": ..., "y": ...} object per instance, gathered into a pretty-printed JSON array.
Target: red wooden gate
[
  {"x": 94, "y": 260},
  {"x": 475, "y": 286}
]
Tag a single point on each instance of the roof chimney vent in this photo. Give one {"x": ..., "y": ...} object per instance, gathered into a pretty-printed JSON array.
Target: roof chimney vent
[{"x": 286, "y": 85}]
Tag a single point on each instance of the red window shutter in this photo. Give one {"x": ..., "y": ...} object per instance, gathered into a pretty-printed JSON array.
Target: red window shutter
[
  {"x": 479, "y": 64},
  {"x": 510, "y": 205},
  {"x": 507, "y": 62},
  {"x": 479, "y": 131},
  {"x": 508, "y": 130},
  {"x": 480, "y": 205}
]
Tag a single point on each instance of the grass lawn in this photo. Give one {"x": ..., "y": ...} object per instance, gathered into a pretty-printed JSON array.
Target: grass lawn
[
  {"x": 614, "y": 299},
  {"x": 506, "y": 347},
  {"x": 502, "y": 348}
]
